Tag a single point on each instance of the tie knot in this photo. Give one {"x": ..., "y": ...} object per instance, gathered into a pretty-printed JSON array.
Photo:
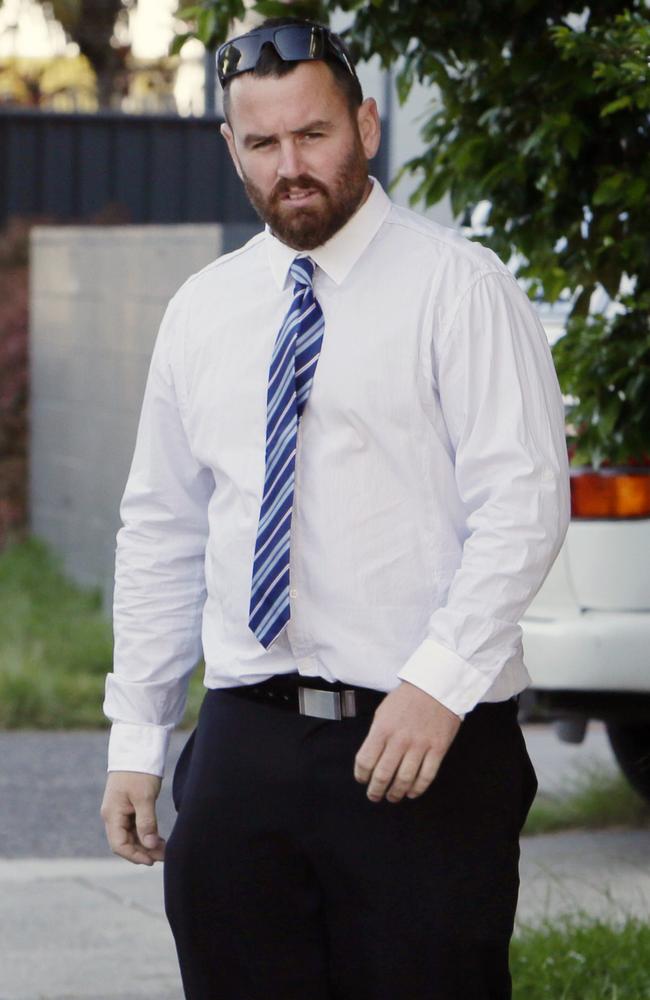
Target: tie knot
[{"x": 302, "y": 271}]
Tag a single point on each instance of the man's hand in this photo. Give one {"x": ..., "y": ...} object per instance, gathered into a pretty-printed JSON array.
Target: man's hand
[
  {"x": 129, "y": 814},
  {"x": 409, "y": 736}
]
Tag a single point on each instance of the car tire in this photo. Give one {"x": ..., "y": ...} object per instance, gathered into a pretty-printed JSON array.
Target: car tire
[{"x": 631, "y": 745}]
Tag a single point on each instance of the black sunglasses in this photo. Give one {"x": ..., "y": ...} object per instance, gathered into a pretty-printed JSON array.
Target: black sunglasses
[{"x": 292, "y": 42}]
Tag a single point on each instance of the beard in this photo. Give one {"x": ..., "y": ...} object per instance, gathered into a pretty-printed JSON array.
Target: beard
[{"x": 304, "y": 228}]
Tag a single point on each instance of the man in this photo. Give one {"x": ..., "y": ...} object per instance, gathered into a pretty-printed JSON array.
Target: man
[{"x": 350, "y": 471}]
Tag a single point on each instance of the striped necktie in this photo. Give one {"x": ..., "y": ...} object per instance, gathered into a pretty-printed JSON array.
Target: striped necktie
[{"x": 291, "y": 373}]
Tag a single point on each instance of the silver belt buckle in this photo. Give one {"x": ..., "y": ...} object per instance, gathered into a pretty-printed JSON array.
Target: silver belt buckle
[{"x": 327, "y": 704}]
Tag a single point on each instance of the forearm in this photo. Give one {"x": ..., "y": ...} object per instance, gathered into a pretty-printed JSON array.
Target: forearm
[
  {"x": 472, "y": 638},
  {"x": 159, "y": 574},
  {"x": 504, "y": 413},
  {"x": 157, "y": 627}
]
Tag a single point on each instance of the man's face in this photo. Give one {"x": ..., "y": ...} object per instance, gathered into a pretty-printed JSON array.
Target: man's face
[{"x": 300, "y": 151}]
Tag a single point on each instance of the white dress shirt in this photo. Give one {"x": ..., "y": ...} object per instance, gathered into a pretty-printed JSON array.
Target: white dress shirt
[{"x": 431, "y": 483}]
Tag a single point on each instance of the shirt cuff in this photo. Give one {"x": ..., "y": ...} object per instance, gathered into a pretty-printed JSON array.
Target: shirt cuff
[
  {"x": 444, "y": 675},
  {"x": 134, "y": 747}
]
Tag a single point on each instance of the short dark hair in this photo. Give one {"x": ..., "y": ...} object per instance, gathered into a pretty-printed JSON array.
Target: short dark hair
[{"x": 271, "y": 64}]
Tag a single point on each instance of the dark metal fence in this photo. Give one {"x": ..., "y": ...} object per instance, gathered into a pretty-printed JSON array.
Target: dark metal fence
[{"x": 160, "y": 168}]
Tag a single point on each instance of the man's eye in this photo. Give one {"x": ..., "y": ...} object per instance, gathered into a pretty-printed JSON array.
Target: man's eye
[
  {"x": 261, "y": 143},
  {"x": 313, "y": 135}
]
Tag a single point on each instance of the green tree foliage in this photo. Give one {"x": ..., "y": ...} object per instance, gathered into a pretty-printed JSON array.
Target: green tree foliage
[
  {"x": 91, "y": 24},
  {"x": 538, "y": 126}
]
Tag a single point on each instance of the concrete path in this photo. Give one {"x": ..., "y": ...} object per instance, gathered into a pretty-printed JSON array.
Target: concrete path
[
  {"x": 93, "y": 928},
  {"x": 89, "y": 929},
  {"x": 604, "y": 873}
]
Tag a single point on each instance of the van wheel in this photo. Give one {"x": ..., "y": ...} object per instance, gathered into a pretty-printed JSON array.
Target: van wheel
[{"x": 631, "y": 745}]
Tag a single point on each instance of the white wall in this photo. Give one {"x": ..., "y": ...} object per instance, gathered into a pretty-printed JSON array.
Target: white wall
[{"x": 96, "y": 300}]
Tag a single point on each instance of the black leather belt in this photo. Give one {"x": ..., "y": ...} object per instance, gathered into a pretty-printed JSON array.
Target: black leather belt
[{"x": 312, "y": 696}]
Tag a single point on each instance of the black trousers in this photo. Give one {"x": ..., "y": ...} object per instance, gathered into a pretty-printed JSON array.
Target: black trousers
[{"x": 284, "y": 882}]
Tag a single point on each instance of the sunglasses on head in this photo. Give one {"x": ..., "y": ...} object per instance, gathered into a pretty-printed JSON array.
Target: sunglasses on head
[{"x": 292, "y": 42}]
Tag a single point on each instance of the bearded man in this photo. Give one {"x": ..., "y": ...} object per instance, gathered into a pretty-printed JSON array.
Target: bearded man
[{"x": 350, "y": 480}]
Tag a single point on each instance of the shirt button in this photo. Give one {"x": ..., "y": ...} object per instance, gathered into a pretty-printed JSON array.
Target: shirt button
[{"x": 293, "y": 592}]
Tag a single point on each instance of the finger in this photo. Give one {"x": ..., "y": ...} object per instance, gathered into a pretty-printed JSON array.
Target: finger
[
  {"x": 384, "y": 772},
  {"x": 135, "y": 854},
  {"x": 369, "y": 753},
  {"x": 157, "y": 853},
  {"x": 407, "y": 772},
  {"x": 428, "y": 770},
  {"x": 146, "y": 824},
  {"x": 122, "y": 842}
]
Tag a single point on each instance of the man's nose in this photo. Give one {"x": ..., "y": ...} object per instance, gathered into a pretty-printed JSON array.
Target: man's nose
[{"x": 289, "y": 162}]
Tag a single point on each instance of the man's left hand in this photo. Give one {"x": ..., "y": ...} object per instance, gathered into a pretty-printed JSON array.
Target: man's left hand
[{"x": 409, "y": 736}]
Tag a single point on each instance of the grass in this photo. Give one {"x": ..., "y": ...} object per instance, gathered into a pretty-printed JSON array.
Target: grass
[
  {"x": 592, "y": 799},
  {"x": 582, "y": 959},
  {"x": 55, "y": 646}
]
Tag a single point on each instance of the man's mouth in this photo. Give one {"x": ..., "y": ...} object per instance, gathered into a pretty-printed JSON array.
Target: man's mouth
[{"x": 299, "y": 196}]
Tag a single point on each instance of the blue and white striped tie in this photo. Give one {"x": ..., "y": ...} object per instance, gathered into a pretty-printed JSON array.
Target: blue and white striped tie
[{"x": 291, "y": 373}]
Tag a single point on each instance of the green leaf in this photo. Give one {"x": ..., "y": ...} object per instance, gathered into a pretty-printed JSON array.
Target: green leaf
[
  {"x": 637, "y": 387},
  {"x": 609, "y": 190},
  {"x": 533, "y": 141},
  {"x": 610, "y": 415},
  {"x": 189, "y": 13},
  {"x": 618, "y": 105},
  {"x": 555, "y": 281},
  {"x": 206, "y": 23},
  {"x": 469, "y": 153},
  {"x": 636, "y": 191},
  {"x": 403, "y": 83},
  {"x": 310, "y": 9},
  {"x": 271, "y": 8},
  {"x": 178, "y": 42},
  {"x": 572, "y": 142}
]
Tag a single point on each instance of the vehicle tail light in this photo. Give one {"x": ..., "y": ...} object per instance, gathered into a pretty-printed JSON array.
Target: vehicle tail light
[{"x": 610, "y": 493}]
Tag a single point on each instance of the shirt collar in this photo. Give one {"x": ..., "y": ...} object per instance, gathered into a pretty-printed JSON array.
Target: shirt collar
[{"x": 338, "y": 256}]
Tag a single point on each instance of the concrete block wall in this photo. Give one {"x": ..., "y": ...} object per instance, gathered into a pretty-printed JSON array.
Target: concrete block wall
[{"x": 97, "y": 296}]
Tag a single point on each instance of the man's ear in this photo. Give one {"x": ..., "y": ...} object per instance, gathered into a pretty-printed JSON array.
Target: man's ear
[
  {"x": 369, "y": 126},
  {"x": 227, "y": 133}
]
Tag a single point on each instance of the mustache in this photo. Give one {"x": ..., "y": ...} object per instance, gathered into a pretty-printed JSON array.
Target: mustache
[{"x": 284, "y": 186}]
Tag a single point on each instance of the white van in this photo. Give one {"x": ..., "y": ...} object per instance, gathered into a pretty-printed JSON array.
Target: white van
[{"x": 587, "y": 633}]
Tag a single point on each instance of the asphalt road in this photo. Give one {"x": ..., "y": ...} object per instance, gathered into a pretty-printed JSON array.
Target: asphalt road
[{"x": 51, "y": 786}]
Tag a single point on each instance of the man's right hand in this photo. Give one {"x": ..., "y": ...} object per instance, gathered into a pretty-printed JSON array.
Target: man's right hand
[{"x": 129, "y": 814}]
